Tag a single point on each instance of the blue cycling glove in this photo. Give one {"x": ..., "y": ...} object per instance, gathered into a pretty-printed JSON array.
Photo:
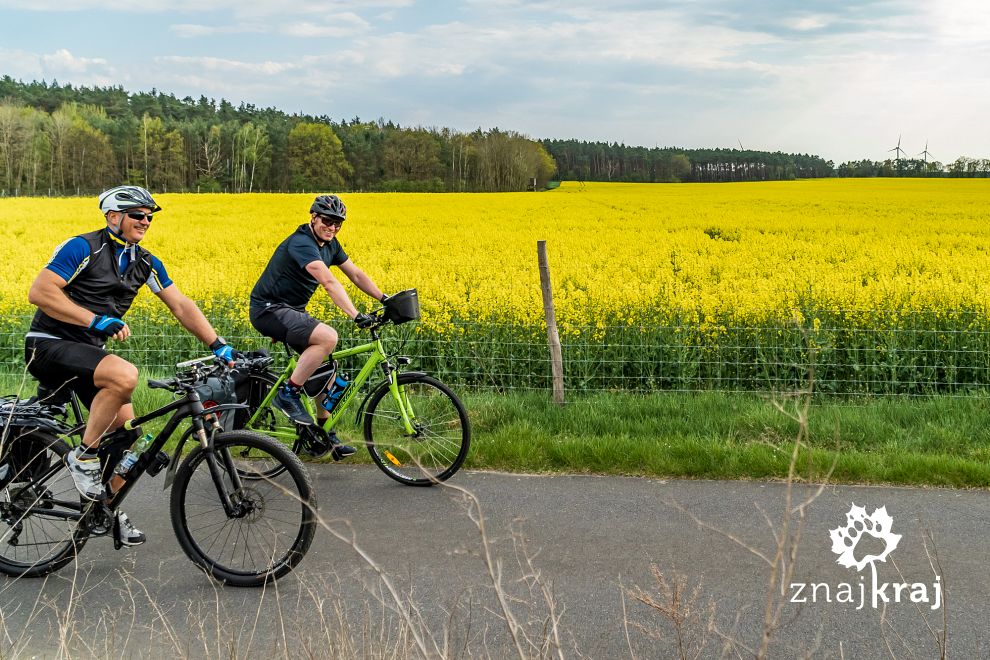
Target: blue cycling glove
[
  {"x": 106, "y": 325},
  {"x": 223, "y": 351}
]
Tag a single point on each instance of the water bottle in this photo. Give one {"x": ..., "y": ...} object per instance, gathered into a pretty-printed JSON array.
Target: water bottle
[
  {"x": 131, "y": 455},
  {"x": 335, "y": 390}
]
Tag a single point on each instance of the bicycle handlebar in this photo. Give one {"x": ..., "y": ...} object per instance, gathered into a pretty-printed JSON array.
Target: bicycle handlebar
[
  {"x": 190, "y": 373},
  {"x": 194, "y": 361}
]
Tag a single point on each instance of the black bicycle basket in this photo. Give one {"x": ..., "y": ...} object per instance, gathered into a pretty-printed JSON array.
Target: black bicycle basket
[{"x": 402, "y": 307}]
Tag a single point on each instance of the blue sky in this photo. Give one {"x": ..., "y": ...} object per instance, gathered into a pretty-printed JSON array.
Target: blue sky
[{"x": 841, "y": 80}]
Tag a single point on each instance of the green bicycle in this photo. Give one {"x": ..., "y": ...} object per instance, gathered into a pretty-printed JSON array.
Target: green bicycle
[{"x": 415, "y": 428}]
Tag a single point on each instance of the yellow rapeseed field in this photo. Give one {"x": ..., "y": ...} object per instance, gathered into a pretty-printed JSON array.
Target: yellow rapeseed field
[
  {"x": 619, "y": 252},
  {"x": 703, "y": 256}
]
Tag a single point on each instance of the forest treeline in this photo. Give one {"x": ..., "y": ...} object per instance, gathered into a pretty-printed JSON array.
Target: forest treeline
[
  {"x": 963, "y": 166},
  {"x": 59, "y": 139},
  {"x": 602, "y": 161}
]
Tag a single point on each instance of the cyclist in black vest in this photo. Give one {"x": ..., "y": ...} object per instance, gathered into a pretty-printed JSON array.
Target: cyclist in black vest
[
  {"x": 82, "y": 295},
  {"x": 279, "y": 298}
]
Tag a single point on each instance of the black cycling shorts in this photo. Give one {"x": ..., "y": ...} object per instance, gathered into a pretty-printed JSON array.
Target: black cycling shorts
[
  {"x": 58, "y": 363},
  {"x": 283, "y": 323}
]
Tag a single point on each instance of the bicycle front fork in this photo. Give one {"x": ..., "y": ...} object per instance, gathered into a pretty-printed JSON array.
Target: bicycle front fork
[{"x": 405, "y": 408}]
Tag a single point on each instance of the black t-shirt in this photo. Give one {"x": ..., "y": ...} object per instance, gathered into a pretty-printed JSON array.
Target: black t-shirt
[{"x": 285, "y": 279}]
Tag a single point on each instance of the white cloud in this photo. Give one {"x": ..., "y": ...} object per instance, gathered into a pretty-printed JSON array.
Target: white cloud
[
  {"x": 193, "y": 30},
  {"x": 136, "y": 6},
  {"x": 960, "y": 22},
  {"x": 21, "y": 64},
  {"x": 60, "y": 65},
  {"x": 189, "y": 30},
  {"x": 809, "y": 22},
  {"x": 602, "y": 39},
  {"x": 63, "y": 60},
  {"x": 238, "y": 7},
  {"x": 336, "y": 26},
  {"x": 840, "y": 80},
  {"x": 217, "y": 64}
]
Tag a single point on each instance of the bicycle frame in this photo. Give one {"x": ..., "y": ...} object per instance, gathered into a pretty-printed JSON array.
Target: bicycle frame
[
  {"x": 376, "y": 358},
  {"x": 187, "y": 407}
]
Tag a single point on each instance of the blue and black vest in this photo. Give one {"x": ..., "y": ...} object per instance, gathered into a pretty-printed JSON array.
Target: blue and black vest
[{"x": 98, "y": 286}]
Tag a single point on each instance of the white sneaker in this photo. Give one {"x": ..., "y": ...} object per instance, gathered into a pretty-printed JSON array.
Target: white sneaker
[
  {"x": 127, "y": 533},
  {"x": 87, "y": 473}
]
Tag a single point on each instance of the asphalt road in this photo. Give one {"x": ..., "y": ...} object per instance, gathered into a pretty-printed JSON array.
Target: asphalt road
[{"x": 592, "y": 542}]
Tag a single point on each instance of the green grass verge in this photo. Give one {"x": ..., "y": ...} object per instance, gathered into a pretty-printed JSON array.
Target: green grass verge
[
  {"x": 933, "y": 441},
  {"x": 938, "y": 441}
]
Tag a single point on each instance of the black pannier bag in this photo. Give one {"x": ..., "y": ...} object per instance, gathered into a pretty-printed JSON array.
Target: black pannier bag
[
  {"x": 247, "y": 390},
  {"x": 23, "y": 454},
  {"x": 402, "y": 307}
]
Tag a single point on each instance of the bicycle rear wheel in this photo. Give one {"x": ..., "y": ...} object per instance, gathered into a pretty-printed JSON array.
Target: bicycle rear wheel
[
  {"x": 39, "y": 516},
  {"x": 441, "y": 432},
  {"x": 274, "y": 518},
  {"x": 312, "y": 441}
]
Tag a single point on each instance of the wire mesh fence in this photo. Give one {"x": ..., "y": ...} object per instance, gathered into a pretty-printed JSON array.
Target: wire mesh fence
[{"x": 910, "y": 354}]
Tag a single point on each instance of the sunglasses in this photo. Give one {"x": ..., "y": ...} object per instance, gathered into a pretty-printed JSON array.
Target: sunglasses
[
  {"x": 328, "y": 221},
  {"x": 140, "y": 215}
]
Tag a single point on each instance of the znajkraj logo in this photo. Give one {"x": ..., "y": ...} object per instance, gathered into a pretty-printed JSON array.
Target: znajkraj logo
[{"x": 845, "y": 541}]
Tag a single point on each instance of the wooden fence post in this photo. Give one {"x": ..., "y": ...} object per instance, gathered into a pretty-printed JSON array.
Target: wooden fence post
[{"x": 556, "y": 359}]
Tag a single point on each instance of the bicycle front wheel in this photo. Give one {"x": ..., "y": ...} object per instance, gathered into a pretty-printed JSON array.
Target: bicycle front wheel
[
  {"x": 441, "y": 435},
  {"x": 39, "y": 516},
  {"x": 270, "y": 522}
]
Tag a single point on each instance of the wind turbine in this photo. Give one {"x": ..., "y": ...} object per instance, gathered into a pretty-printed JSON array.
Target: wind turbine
[
  {"x": 926, "y": 153},
  {"x": 898, "y": 151}
]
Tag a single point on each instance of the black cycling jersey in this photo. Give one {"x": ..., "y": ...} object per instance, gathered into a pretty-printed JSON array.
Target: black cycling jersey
[{"x": 285, "y": 279}]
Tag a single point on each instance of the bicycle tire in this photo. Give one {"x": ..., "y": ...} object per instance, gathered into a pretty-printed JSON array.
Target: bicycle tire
[
  {"x": 63, "y": 538},
  {"x": 443, "y": 432},
  {"x": 290, "y": 493}
]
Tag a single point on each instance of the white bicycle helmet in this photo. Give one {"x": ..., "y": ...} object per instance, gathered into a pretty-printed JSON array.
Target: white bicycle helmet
[{"x": 123, "y": 198}]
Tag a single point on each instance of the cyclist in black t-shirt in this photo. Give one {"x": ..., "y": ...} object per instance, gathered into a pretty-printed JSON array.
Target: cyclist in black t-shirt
[{"x": 279, "y": 298}]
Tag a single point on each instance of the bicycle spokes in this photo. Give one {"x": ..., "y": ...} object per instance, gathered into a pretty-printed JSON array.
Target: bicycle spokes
[
  {"x": 424, "y": 447},
  {"x": 254, "y": 532},
  {"x": 40, "y": 513}
]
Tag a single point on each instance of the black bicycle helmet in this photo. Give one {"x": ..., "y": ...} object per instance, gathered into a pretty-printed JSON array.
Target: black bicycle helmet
[
  {"x": 329, "y": 205},
  {"x": 123, "y": 198}
]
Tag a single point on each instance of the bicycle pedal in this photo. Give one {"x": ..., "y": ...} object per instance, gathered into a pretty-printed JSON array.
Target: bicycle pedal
[
  {"x": 341, "y": 451},
  {"x": 317, "y": 452},
  {"x": 117, "y": 545}
]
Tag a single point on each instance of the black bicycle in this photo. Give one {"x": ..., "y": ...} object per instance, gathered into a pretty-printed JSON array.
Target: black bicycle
[{"x": 234, "y": 519}]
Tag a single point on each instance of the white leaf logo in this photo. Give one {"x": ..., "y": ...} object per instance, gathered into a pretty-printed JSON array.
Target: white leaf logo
[{"x": 877, "y": 525}]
